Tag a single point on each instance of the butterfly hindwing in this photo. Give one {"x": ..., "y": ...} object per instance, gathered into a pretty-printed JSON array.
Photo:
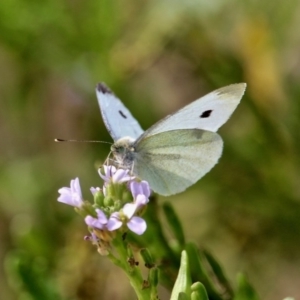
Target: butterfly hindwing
[{"x": 173, "y": 160}]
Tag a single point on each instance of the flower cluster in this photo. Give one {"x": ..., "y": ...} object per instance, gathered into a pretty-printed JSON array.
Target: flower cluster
[{"x": 117, "y": 205}]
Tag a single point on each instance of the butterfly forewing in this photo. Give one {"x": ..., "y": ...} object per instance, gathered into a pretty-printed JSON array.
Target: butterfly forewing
[
  {"x": 117, "y": 118},
  {"x": 173, "y": 160},
  {"x": 208, "y": 113}
]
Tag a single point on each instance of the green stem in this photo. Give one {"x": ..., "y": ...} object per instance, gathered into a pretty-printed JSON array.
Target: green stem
[{"x": 133, "y": 272}]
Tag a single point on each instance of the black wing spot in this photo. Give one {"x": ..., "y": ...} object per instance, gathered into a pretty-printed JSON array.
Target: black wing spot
[
  {"x": 102, "y": 87},
  {"x": 122, "y": 114},
  {"x": 206, "y": 114}
]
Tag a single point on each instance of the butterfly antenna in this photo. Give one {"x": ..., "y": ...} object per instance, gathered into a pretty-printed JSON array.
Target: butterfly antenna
[{"x": 80, "y": 141}]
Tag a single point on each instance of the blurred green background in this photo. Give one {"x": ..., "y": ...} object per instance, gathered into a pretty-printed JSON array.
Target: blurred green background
[{"x": 156, "y": 56}]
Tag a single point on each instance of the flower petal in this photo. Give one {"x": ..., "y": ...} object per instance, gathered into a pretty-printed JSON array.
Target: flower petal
[
  {"x": 137, "y": 225},
  {"x": 66, "y": 199},
  {"x": 98, "y": 222},
  {"x": 93, "y": 222},
  {"x": 75, "y": 186},
  {"x": 95, "y": 190},
  {"x": 138, "y": 188},
  {"x": 129, "y": 209},
  {"x": 109, "y": 171},
  {"x": 141, "y": 200},
  {"x": 64, "y": 190},
  {"x": 120, "y": 176},
  {"x": 71, "y": 196},
  {"x": 101, "y": 216},
  {"x": 114, "y": 222}
]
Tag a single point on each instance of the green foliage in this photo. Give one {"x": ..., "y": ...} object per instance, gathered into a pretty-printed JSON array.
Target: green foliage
[
  {"x": 183, "y": 281},
  {"x": 197, "y": 291},
  {"x": 245, "y": 291},
  {"x": 174, "y": 224}
]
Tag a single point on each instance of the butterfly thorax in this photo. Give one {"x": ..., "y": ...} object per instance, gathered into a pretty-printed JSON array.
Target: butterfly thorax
[{"x": 124, "y": 152}]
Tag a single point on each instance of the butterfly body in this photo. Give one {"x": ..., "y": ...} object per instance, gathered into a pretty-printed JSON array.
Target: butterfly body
[
  {"x": 124, "y": 153},
  {"x": 177, "y": 151}
]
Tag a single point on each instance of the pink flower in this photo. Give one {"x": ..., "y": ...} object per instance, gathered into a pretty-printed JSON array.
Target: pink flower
[
  {"x": 95, "y": 190},
  {"x": 99, "y": 222},
  {"x": 140, "y": 188},
  {"x": 111, "y": 174},
  {"x": 71, "y": 195},
  {"x": 134, "y": 223}
]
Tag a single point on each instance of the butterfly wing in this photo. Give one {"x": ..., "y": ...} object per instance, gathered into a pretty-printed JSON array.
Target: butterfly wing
[
  {"x": 172, "y": 161},
  {"x": 209, "y": 112},
  {"x": 117, "y": 118}
]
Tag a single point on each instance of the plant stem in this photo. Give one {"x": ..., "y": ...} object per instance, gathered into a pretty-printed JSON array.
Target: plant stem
[{"x": 133, "y": 272}]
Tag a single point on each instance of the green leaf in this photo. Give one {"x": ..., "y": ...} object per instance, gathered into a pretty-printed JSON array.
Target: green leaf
[
  {"x": 174, "y": 223},
  {"x": 183, "y": 296},
  {"x": 147, "y": 257},
  {"x": 198, "y": 292},
  {"x": 217, "y": 269},
  {"x": 183, "y": 281},
  {"x": 245, "y": 291},
  {"x": 198, "y": 271},
  {"x": 154, "y": 276}
]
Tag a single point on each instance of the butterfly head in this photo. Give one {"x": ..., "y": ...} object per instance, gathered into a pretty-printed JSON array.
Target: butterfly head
[{"x": 123, "y": 151}]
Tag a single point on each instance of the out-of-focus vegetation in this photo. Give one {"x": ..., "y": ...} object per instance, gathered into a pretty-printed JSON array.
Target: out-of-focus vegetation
[{"x": 156, "y": 56}]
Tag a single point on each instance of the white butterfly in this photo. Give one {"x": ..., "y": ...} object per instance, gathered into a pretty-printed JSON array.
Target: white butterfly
[{"x": 178, "y": 150}]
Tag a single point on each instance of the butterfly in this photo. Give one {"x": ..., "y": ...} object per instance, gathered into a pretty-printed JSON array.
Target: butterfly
[{"x": 178, "y": 150}]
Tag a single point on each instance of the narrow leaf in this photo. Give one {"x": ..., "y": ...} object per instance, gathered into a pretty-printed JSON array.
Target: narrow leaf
[{"x": 183, "y": 281}]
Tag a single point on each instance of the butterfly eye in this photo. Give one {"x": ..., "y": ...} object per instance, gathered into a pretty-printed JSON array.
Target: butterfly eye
[
  {"x": 116, "y": 148},
  {"x": 206, "y": 114},
  {"x": 122, "y": 114}
]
